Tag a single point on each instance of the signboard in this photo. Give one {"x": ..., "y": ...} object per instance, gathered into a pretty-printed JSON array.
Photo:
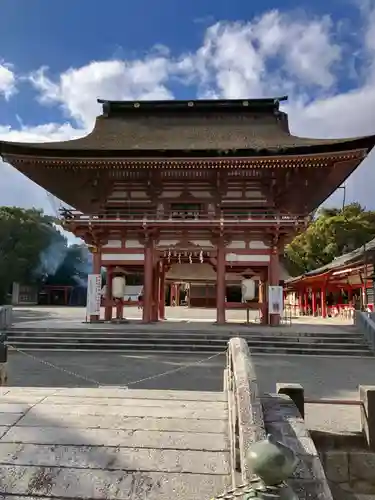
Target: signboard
[
  {"x": 275, "y": 300},
  {"x": 94, "y": 287}
]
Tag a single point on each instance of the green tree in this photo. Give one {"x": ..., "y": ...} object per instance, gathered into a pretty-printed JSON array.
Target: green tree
[
  {"x": 333, "y": 233},
  {"x": 26, "y": 237}
]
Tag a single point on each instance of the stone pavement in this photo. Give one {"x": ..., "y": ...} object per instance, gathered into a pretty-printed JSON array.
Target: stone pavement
[
  {"x": 113, "y": 443},
  {"x": 187, "y": 318},
  {"x": 322, "y": 377}
]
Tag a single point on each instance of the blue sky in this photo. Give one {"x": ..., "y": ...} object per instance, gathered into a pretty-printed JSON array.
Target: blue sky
[{"x": 57, "y": 57}]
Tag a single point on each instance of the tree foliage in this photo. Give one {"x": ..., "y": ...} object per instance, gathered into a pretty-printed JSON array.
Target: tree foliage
[
  {"x": 333, "y": 233},
  {"x": 25, "y": 235}
]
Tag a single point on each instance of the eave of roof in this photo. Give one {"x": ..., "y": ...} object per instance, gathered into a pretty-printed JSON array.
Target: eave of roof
[
  {"x": 78, "y": 148},
  {"x": 270, "y": 104},
  {"x": 183, "y": 129},
  {"x": 356, "y": 256}
]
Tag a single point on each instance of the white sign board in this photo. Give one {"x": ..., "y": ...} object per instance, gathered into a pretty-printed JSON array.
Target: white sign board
[
  {"x": 275, "y": 300},
  {"x": 94, "y": 288}
]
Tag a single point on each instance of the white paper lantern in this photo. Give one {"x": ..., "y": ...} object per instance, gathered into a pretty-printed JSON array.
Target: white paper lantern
[
  {"x": 118, "y": 287},
  {"x": 248, "y": 289}
]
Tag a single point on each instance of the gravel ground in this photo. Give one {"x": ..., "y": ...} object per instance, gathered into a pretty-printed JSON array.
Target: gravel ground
[{"x": 321, "y": 377}]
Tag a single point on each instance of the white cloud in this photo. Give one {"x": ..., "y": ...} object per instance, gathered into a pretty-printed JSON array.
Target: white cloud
[
  {"x": 78, "y": 89},
  {"x": 16, "y": 189},
  {"x": 7, "y": 81},
  {"x": 273, "y": 54},
  {"x": 270, "y": 55}
]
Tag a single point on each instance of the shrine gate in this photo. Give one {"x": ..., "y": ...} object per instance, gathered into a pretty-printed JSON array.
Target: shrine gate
[{"x": 217, "y": 183}]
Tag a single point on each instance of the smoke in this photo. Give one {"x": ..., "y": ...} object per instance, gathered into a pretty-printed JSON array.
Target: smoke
[
  {"x": 51, "y": 258},
  {"x": 82, "y": 266}
]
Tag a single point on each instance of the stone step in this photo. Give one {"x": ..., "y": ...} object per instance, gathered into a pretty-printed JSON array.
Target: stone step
[
  {"x": 217, "y": 334},
  {"x": 357, "y": 351},
  {"x": 135, "y": 346},
  {"x": 180, "y": 338},
  {"x": 325, "y": 343},
  {"x": 214, "y": 331}
]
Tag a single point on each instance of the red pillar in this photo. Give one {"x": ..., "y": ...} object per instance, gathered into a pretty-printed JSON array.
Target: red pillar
[
  {"x": 274, "y": 280},
  {"x": 97, "y": 268},
  {"x": 155, "y": 293},
  {"x": 323, "y": 298},
  {"x": 220, "y": 283},
  {"x": 263, "y": 298},
  {"x": 314, "y": 305},
  {"x": 147, "y": 283},
  {"x": 108, "y": 295},
  {"x": 300, "y": 303},
  {"x": 305, "y": 303},
  {"x": 162, "y": 291}
]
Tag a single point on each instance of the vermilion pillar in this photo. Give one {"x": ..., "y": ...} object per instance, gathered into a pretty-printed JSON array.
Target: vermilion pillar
[
  {"x": 305, "y": 303},
  {"x": 300, "y": 303},
  {"x": 323, "y": 299},
  {"x": 108, "y": 295},
  {"x": 155, "y": 293},
  {"x": 148, "y": 280},
  {"x": 263, "y": 298},
  {"x": 274, "y": 280},
  {"x": 97, "y": 269},
  {"x": 162, "y": 291},
  {"x": 314, "y": 305},
  {"x": 220, "y": 283}
]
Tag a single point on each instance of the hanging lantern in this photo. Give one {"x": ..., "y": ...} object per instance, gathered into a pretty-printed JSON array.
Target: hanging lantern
[
  {"x": 201, "y": 257},
  {"x": 190, "y": 259}
]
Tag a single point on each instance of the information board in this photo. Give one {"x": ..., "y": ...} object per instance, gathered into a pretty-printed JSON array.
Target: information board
[
  {"x": 275, "y": 300},
  {"x": 94, "y": 288}
]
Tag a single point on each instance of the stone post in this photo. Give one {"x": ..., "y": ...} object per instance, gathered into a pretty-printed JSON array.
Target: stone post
[
  {"x": 296, "y": 394},
  {"x": 367, "y": 399}
]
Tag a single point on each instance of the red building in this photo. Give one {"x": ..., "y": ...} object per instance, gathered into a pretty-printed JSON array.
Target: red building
[
  {"x": 221, "y": 183},
  {"x": 344, "y": 284}
]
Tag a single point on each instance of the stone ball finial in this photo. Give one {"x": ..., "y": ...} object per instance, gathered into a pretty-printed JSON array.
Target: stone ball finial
[{"x": 272, "y": 461}]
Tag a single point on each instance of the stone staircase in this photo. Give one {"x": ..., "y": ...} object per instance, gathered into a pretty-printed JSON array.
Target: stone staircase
[{"x": 296, "y": 340}]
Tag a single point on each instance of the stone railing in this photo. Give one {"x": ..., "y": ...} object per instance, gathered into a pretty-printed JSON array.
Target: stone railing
[
  {"x": 364, "y": 321},
  {"x": 246, "y": 421},
  {"x": 270, "y": 445},
  {"x": 6, "y": 317}
]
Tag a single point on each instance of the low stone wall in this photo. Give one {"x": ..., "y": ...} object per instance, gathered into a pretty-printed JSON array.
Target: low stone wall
[
  {"x": 283, "y": 420},
  {"x": 275, "y": 414},
  {"x": 350, "y": 473},
  {"x": 3, "y": 374},
  {"x": 248, "y": 422},
  {"x": 6, "y": 317}
]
